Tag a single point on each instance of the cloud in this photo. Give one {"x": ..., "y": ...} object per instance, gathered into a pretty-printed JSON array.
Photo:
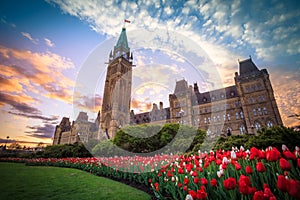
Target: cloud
[
  {"x": 45, "y": 131},
  {"x": 29, "y": 37},
  {"x": 41, "y": 73},
  {"x": 226, "y": 32},
  {"x": 35, "y": 116},
  {"x": 49, "y": 42},
  {"x": 91, "y": 103},
  {"x": 287, "y": 96},
  {"x": 140, "y": 106},
  {"x": 17, "y": 104}
]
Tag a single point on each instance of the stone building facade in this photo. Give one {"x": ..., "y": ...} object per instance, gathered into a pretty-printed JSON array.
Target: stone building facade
[
  {"x": 242, "y": 108},
  {"x": 80, "y": 130}
]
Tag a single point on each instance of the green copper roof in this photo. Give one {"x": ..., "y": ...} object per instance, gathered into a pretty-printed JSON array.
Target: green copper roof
[{"x": 122, "y": 41}]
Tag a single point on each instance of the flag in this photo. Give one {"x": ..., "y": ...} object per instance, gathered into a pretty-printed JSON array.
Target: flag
[{"x": 125, "y": 20}]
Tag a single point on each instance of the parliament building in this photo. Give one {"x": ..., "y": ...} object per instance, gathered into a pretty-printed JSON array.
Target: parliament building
[{"x": 242, "y": 108}]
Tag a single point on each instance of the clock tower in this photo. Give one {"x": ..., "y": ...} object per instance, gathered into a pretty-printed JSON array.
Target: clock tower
[{"x": 115, "y": 112}]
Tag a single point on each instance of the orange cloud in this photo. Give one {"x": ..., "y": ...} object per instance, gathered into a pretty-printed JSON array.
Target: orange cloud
[
  {"x": 142, "y": 106},
  {"x": 287, "y": 93},
  {"x": 41, "y": 73}
]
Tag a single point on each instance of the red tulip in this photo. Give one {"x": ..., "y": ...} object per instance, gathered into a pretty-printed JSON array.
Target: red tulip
[
  {"x": 213, "y": 182},
  {"x": 245, "y": 185},
  {"x": 284, "y": 164},
  {"x": 237, "y": 166},
  {"x": 248, "y": 170},
  {"x": 196, "y": 180},
  {"x": 180, "y": 171},
  {"x": 260, "y": 167},
  {"x": 193, "y": 194},
  {"x": 282, "y": 183},
  {"x": 201, "y": 194},
  {"x": 272, "y": 155},
  {"x": 294, "y": 189},
  {"x": 186, "y": 181},
  {"x": 289, "y": 155},
  {"x": 204, "y": 181},
  {"x": 258, "y": 195},
  {"x": 229, "y": 183}
]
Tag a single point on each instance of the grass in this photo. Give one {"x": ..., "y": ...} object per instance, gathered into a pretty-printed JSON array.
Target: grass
[{"x": 20, "y": 182}]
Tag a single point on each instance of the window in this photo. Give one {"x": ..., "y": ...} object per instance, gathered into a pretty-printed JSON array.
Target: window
[
  {"x": 213, "y": 98},
  {"x": 218, "y": 117},
  {"x": 208, "y": 131},
  {"x": 232, "y": 93},
  {"x": 253, "y": 87},
  {"x": 265, "y": 111},
  {"x": 222, "y": 95},
  {"x": 205, "y": 120},
  {"x": 247, "y": 89},
  {"x": 228, "y": 117},
  {"x": 259, "y": 111},
  {"x": 224, "y": 117},
  {"x": 204, "y": 99},
  {"x": 229, "y": 130},
  {"x": 261, "y": 98},
  {"x": 269, "y": 124},
  {"x": 237, "y": 116},
  {"x": 257, "y": 125},
  {"x": 215, "y": 119},
  {"x": 242, "y": 129},
  {"x": 242, "y": 115},
  {"x": 208, "y": 120},
  {"x": 259, "y": 87},
  {"x": 254, "y": 112}
]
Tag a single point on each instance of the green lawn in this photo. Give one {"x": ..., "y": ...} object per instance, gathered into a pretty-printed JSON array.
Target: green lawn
[{"x": 20, "y": 182}]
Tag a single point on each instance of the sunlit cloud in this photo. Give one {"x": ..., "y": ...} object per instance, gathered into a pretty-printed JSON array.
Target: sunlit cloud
[
  {"x": 49, "y": 42},
  {"x": 29, "y": 37},
  {"x": 41, "y": 73},
  {"x": 287, "y": 96},
  {"x": 90, "y": 103},
  {"x": 140, "y": 106}
]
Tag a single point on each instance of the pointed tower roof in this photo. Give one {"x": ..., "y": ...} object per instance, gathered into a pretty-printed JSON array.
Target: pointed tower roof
[
  {"x": 121, "y": 47},
  {"x": 247, "y": 67},
  {"x": 122, "y": 41}
]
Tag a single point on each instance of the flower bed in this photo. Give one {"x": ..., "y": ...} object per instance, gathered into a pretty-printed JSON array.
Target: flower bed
[{"x": 237, "y": 174}]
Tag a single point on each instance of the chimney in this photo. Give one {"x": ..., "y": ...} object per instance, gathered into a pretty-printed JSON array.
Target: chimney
[{"x": 161, "y": 105}]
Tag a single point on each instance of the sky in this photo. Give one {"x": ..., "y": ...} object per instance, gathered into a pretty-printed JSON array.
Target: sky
[{"x": 48, "y": 47}]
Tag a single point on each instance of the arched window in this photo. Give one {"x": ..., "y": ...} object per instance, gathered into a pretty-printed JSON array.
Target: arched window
[
  {"x": 259, "y": 111},
  {"x": 237, "y": 116},
  {"x": 205, "y": 120},
  {"x": 208, "y": 131},
  {"x": 269, "y": 124},
  {"x": 257, "y": 125},
  {"x": 229, "y": 131},
  {"x": 228, "y": 117},
  {"x": 242, "y": 114},
  {"x": 265, "y": 111},
  {"x": 254, "y": 112},
  {"x": 242, "y": 129}
]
